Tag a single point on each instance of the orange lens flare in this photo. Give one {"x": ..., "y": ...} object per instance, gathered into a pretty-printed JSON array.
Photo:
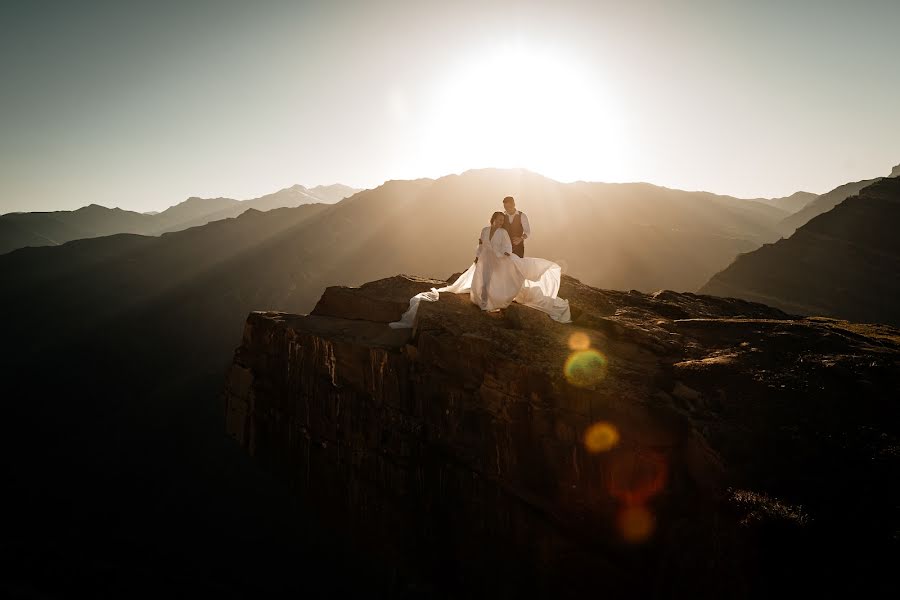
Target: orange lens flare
[
  {"x": 579, "y": 341},
  {"x": 635, "y": 478},
  {"x": 636, "y": 524},
  {"x": 585, "y": 368},
  {"x": 601, "y": 437}
]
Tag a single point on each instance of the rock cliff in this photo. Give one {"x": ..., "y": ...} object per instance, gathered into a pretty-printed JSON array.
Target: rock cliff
[{"x": 661, "y": 445}]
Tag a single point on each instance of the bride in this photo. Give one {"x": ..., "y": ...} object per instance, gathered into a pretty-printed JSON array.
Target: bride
[{"x": 498, "y": 277}]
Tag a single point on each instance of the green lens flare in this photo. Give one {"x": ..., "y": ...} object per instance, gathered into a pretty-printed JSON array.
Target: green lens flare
[{"x": 585, "y": 368}]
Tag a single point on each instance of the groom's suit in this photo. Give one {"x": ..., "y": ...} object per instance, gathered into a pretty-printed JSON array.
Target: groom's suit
[{"x": 515, "y": 226}]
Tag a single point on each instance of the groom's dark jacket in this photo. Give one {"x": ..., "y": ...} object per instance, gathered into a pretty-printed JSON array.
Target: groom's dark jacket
[{"x": 514, "y": 229}]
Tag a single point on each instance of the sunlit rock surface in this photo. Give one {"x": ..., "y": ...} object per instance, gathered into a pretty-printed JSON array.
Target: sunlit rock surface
[{"x": 668, "y": 445}]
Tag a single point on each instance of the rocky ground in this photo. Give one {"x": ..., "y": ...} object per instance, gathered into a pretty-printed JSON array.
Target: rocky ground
[{"x": 662, "y": 445}]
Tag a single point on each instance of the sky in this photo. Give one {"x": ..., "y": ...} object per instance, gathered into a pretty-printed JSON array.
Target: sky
[{"x": 142, "y": 104}]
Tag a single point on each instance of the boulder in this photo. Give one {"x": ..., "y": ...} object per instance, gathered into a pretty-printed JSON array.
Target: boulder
[{"x": 381, "y": 301}]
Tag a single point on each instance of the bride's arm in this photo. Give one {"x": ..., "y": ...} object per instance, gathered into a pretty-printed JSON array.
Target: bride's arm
[
  {"x": 480, "y": 246},
  {"x": 505, "y": 243}
]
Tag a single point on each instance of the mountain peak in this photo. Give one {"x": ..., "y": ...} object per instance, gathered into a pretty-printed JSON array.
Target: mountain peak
[
  {"x": 501, "y": 172},
  {"x": 895, "y": 172},
  {"x": 199, "y": 199}
]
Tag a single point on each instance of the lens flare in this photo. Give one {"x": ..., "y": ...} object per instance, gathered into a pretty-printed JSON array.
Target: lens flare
[
  {"x": 601, "y": 437},
  {"x": 585, "y": 368},
  {"x": 579, "y": 341},
  {"x": 635, "y": 478},
  {"x": 636, "y": 524}
]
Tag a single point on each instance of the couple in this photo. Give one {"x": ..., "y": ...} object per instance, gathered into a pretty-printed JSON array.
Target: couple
[{"x": 502, "y": 274}]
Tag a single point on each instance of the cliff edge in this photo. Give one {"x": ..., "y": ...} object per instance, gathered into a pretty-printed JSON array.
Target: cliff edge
[{"x": 660, "y": 445}]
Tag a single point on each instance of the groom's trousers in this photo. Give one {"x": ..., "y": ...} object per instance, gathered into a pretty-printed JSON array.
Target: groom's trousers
[{"x": 519, "y": 250}]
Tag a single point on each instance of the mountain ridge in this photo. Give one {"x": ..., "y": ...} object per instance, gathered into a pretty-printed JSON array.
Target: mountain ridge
[
  {"x": 18, "y": 230},
  {"x": 842, "y": 263},
  {"x": 822, "y": 204}
]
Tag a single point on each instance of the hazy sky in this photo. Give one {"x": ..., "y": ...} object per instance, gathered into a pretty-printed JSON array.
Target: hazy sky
[{"x": 140, "y": 105}]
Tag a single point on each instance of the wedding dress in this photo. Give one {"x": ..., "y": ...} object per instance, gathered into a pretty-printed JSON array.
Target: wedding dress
[{"x": 499, "y": 277}]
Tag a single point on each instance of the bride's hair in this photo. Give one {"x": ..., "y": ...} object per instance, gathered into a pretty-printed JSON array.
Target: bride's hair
[{"x": 495, "y": 215}]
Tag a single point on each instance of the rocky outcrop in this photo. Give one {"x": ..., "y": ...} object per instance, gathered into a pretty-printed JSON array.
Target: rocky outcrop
[
  {"x": 660, "y": 445},
  {"x": 843, "y": 263}
]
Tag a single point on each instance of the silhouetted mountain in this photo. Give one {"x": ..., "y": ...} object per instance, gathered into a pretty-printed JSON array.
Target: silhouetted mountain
[
  {"x": 193, "y": 211},
  {"x": 335, "y": 192},
  {"x": 792, "y": 203},
  {"x": 895, "y": 172},
  {"x": 622, "y": 235},
  {"x": 821, "y": 204},
  {"x": 843, "y": 263},
  {"x": 293, "y": 196},
  {"x": 117, "y": 461},
  {"x": 18, "y": 230}
]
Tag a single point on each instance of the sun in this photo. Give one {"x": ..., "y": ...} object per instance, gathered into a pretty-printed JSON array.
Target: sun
[{"x": 528, "y": 107}]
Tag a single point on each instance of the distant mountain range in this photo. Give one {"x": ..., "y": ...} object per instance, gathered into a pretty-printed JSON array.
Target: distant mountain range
[
  {"x": 618, "y": 236},
  {"x": 177, "y": 300},
  {"x": 106, "y": 312},
  {"x": 792, "y": 203},
  {"x": 18, "y": 230},
  {"x": 149, "y": 291},
  {"x": 116, "y": 346},
  {"x": 842, "y": 263},
  {"x": 54, "y": 228}
]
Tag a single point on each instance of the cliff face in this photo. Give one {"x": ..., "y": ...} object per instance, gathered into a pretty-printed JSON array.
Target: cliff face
[
  {"x": 843, "y": 263},
  {"x": 667, "y": 444}
]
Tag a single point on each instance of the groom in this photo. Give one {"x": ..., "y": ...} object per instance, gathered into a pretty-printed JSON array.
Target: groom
[{"x": 516, "y": 225}]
